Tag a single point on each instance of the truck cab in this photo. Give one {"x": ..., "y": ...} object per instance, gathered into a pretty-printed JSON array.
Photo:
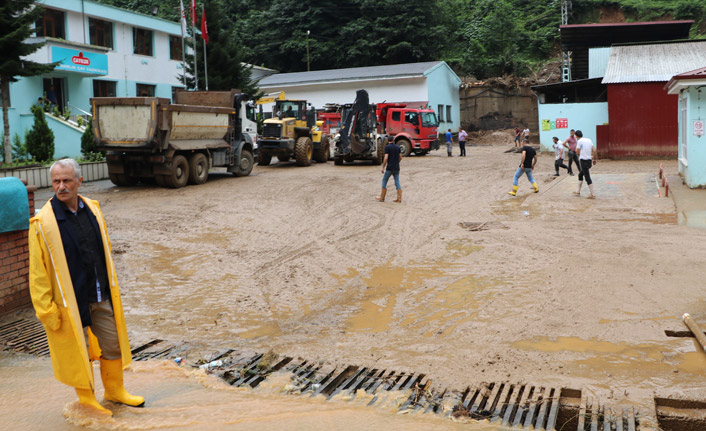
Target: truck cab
[{"x": 415, "y": 130}]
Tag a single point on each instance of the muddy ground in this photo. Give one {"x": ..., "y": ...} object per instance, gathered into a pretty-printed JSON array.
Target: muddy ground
[{"x": 555, "y": 290}]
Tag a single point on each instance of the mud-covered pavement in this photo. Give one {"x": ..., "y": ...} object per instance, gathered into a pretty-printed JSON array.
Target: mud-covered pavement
[{"x": 554, "y": 289}]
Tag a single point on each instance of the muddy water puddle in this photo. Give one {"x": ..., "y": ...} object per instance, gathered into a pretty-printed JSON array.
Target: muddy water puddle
[
  {"x": 692, "y": 219},
  {"x": 635, "y": 363},
  {"x": 179, "y": 398},
  {"x": 434, "y": 298}
]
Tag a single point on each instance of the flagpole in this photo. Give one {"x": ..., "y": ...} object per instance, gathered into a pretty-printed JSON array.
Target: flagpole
[
  {"x": 183, "y": 62},
  {"x": 205, "y": 63},
  {"x": 182, "y": 23},
  {"x": 196, "y": 64}
]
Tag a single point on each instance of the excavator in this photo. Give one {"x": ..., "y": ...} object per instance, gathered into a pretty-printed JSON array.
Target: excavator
[{"x": 358, "y": 138}]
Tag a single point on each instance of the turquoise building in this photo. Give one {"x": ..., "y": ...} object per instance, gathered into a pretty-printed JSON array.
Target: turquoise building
[
  {"x": 103, "y": 51},
  {"x": 691, "y": 89}
]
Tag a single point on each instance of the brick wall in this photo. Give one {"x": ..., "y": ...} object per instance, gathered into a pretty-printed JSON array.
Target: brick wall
[{"x": 14, "y": 265}]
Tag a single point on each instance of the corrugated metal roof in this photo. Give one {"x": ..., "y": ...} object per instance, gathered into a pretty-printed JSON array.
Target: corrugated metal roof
[
  {"x": 350, "y": 74},
  {"x": 654, "y": 62}
]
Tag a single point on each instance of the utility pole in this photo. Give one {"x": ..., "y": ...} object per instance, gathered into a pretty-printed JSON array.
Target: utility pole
[
  {"x": 307, "y": 51},
  {"x": 565, "y": 55}
]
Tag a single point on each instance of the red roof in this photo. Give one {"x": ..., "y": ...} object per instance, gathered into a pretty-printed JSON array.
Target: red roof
[
  {"x": 627, "y": 24},
  {"x": 692, "y": 74}
]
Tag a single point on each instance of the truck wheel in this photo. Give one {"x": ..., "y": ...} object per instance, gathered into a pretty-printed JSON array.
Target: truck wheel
[
  {"x": 123, "y": 180},
  {"x": 380, "y": 155},
  {"x": 246, "y": 163},
  {"x": 303, "y": 151},
  {"x": 180, "y": 173},
  {"x": 263, "y": 159},
  {"x": 198, "y": 168},
  {"x": 338, "y": 160},
  {"x": 405, "y": 147},
  {"x": 322, "y": 153}
]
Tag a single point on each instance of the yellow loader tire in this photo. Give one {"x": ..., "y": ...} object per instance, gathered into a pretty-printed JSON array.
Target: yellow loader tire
[{"x": 303, "y": 150}]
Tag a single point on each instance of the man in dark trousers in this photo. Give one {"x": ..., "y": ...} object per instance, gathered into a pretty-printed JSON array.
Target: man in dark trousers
[
  {"x": 391, "y": 167},
  {"x": 529, "y": 159},
  {"x": 75, "y": 291}
]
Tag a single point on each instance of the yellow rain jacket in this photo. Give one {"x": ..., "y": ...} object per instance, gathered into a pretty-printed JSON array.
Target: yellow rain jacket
[{"x": 55, "y": 303}]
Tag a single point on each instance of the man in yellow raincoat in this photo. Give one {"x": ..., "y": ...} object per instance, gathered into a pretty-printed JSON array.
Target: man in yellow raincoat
[{"x": 75, "y": 291}]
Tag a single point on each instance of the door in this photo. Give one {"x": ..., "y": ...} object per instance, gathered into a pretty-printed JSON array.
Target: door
[
  {"x": 55, "y": 92},
  {"x": 684, "y": 129}
]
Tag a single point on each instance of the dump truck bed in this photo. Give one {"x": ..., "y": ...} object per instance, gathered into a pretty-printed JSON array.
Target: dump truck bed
[{"x": 147, "y": 123}]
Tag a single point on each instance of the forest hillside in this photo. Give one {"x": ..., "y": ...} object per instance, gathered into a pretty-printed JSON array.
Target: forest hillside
[{"x": 478, "y": 38}]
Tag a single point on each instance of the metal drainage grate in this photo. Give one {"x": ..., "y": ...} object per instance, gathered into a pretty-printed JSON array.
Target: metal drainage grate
[
  {"x": 511, "y": 405},
  {"x": 24, "y": 335},
  {"x": 28, "y": 336},
  {"x": 680, "y": 415}
]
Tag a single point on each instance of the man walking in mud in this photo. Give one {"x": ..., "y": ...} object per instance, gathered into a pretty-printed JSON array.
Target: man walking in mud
[
  {"x": 570, "y": 144},
  {"x": 527, "y": 163},
  {"x": 449, "y": 142},
  {"x": 587, "y": 156},
  {"x": 75, "y": 291},
  {"x": 391, "y": 167}
]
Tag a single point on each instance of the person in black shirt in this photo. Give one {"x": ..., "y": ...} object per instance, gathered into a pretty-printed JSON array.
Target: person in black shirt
[
  {"x": 529, "y": 159},
  {"x": 391, "y": 166}
]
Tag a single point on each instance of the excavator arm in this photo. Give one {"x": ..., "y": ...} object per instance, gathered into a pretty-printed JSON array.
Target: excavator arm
[{"x": 356, "y": 125}]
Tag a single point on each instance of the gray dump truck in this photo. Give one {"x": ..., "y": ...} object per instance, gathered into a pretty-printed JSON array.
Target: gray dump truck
[{"x": 175, "y": 143}]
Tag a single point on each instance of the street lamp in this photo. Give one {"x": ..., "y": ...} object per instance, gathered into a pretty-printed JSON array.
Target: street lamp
[{"x": 307, "y": 51}]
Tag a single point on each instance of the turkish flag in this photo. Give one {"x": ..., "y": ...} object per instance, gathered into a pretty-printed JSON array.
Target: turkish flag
[
  {"x": 193, "y": 12},
  {"x": 204, "y": 27}
]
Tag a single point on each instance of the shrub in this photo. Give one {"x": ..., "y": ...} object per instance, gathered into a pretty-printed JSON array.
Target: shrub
[
  {"x": 88, "y": 143},
  {"x": 40, "y": 139},
  {"x": 19, "y": 149}
]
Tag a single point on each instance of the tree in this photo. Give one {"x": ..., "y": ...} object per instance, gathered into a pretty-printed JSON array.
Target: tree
[
  {"x": 17, "y": 19},
  {"x": 225, "y": 70},
  {"x": 40, "y": 139},
  {"x": 88, "y": 141}
]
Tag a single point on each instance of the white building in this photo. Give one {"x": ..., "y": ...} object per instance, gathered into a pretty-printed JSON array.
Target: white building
[
  {"x": 431, "y": 84},
  {"x": 103, "y": 51}
]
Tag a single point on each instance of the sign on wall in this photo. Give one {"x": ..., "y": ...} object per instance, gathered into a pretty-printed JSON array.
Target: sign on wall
[
  {"x": 699, "y": 127},
  {"x": 559, "y": 123},
  {"x": 74, "y": 60}
]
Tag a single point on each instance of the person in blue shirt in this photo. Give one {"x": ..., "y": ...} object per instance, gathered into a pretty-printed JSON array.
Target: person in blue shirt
[
  {"x": 391, "y": 167},
  {"x": 449, "y": 142}
]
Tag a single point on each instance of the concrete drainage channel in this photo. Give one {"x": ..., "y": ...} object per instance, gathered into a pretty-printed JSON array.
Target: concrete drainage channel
[{"x": 514, "y": 406}]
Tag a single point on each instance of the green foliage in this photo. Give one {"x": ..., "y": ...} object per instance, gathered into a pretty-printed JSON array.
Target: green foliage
[
  {"x": 480, "y": 37},
  {"x": 19, "y": 149},
  {"x": 17, "y": 19},
  {"x": 88, "y": 141},
  {"x": 40, "y": 139}
]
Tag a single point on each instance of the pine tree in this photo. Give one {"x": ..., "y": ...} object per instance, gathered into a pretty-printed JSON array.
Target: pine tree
[
  {"x": 40, "y": 139},
  {"x": 17, "y": 19}
]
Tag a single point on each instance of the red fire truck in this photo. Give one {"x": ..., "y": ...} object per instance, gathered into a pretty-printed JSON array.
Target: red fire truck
[
  {"x": 415, "y": 130},
  {"x": 332, "y": 122}
]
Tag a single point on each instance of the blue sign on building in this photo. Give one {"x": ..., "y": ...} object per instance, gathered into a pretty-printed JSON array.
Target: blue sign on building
[{"x": 80, "y": 61}]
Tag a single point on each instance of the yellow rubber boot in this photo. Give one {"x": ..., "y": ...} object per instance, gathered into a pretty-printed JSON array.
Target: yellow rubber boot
[
  {"x": 536, "y": 187},
  {"x": 112, "y": 376},
  {"x": 87, "y": 398},
  {"x": 514, "y": 191},
  {"x": 381, "y": 198},
  {"x": 399, "y": 196}
]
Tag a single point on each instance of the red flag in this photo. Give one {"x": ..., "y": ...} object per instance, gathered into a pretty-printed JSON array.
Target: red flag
[
  {"x": 204, "y": 27},
  {"x": 193, "y": 12}
]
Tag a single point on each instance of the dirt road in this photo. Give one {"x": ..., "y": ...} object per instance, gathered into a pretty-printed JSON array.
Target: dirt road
[{"x": 554, "y": 289}]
